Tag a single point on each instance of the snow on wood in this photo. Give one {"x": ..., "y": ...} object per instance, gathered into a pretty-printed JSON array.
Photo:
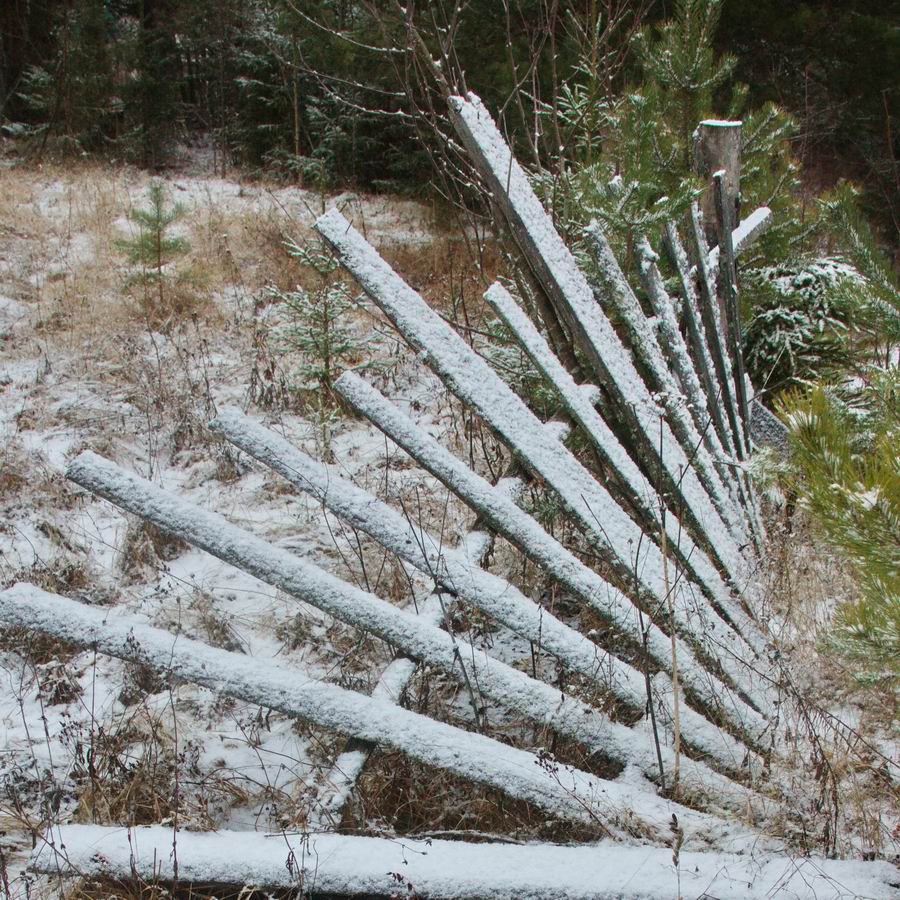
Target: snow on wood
[
  {"x": 558, "y": 272},
  {"x": 615, "y": 535},
  {"x": 719, "y": 515},
  {"x": 728, "y": 294},
  {"x": 544, "y": 550},
  {"x": 331, "y": 864},
  {"x": 604, "y": 440},
  {"x": 457, "y": 574},
  {"x": 338, "y": 784},
  {"x": 676, "y": 351},
  {"x": 676, "y": 354},
  {"x": 562, "y": 791},
  {"x": 606, "y": 443},
  {"x": 699, "y": 344},
  {"x": 745, "y": 233},
  {"x": 712, "y": 324},
  {"x": 581, "y": 407},
  {"x": 507, "y": 687}
]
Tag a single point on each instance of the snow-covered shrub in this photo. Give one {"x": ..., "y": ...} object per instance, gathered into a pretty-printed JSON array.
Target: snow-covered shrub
[{"x": 799, "y": 328}]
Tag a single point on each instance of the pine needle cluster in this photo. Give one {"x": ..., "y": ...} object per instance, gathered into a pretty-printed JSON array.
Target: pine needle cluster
[
  {"x": 846, "y": 471},
  {"x": 845, "y": 465},
  {"x": 629, "y": 157},
  {"x": 318, "y": 327}
]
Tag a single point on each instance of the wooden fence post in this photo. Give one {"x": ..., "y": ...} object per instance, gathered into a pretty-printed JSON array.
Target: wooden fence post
[{"x": 717, "y": 147}]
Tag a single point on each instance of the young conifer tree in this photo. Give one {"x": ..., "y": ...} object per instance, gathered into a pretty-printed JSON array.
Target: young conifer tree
[
  {"x": 845, "y": 467},
  {"x": 320, "y": 332},
  {"x": 153, "y": 245},
  {"x": 629, "y": 157},
  {"x": 847, "y": 475}
]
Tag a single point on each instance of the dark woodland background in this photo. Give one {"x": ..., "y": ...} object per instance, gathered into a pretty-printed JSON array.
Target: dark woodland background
[{"x": 316, "y": 91}]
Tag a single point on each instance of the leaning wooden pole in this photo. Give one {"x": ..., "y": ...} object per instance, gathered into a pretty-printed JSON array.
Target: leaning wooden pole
[
  {"x": 647, "y": 349},
  {"x": 615, "y": 535},
  {"x": 509, "y": 688},
  {"x": 556, "y": 268},
  {"x": 712, "y": 325},
  {"x": 461, "y": 577},
  {"x": 576, "y": 796},
  {"x": 544, "y": 550}
]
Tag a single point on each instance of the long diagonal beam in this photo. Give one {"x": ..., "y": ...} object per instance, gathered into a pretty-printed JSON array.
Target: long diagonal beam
[
  {"x": 646, "y": 348},
  {"x": 571, "y": 794},
  {"x": 582, "y": 410},
  {"x": 676, "y": 351},
  {"x": 507, "y": 687},
  {"x": 637, "y": 558},
  {"x": 340, "y": 781},
  {"x": 453, "y": 571},
  {"x": 556, "y": 269},
  {"x": 712, "y": 325},
  {"x": 521, "y": 530}
]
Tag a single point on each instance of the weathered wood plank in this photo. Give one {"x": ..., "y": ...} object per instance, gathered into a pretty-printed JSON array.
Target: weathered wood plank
[
  {"x": 647, "y": 349},
  {"x": 459, "y": 576},
  {"x": 709, "y": 315},
  {"x": 575, "y": 796},
  {"x": 544, "y": 550},
  {"x": 555, "y": 267},
  {"x": 342, "y": 865},
  {"x": 507, "y": 687}
]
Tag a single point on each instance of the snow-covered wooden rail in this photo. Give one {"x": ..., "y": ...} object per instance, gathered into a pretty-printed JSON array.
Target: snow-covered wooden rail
[
  {"x": 341, "y": 865},
  {"x": 453, "y": 571},
  {"x": 556, "y": 270},
  {"x": 672, "y": 516},
  {"x": 615, "y": 535},
  {"x": 561, "y": 791},
  {"x": 527, "y": 534},
  {"x": 509, "y": 688}
]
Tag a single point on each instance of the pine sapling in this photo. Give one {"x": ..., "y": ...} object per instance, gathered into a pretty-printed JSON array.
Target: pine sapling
[
  {"x": 318, "y": 330},
  {"x": 154, "y": 246}
]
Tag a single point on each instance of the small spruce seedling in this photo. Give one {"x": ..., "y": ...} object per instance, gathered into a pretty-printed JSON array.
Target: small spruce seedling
[{"x": 153, "y": 247}]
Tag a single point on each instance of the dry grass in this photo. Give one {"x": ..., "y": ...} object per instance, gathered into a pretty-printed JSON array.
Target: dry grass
[
  {"x": 838, "y": 772},
  {"x": 161, "y": 363},
  {"x": 399, "y": 795}
]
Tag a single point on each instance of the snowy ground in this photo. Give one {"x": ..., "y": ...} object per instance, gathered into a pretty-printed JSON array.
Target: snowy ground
[
  {"x": 83, "y": 366},
  {"x": 88, "y": 362}
]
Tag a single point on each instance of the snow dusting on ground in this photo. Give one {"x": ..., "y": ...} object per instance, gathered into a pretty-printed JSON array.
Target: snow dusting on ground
[{"x": 93, "y": 358}]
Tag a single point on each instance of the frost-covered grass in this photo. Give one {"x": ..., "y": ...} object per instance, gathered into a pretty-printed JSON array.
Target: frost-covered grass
[{"x": 91, "y": 739}]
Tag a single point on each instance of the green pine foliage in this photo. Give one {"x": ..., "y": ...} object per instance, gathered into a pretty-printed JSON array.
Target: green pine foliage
[
  {"x": 817, "y": 318},
  {"x": 877, "y": 292},
  {"x": 320, "y": 338},
  {"x": 71, "y": 97},
  {"x": 845, "y": 466},
  {"x": 154, "y": 246},
  {"x": 800, "y": 325},
  {"x": 628, "y": 160},
  {"x": 846, "y": 471},
  {"x": 680, "y": 63},
  {"x": 319, "y": 328}
]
